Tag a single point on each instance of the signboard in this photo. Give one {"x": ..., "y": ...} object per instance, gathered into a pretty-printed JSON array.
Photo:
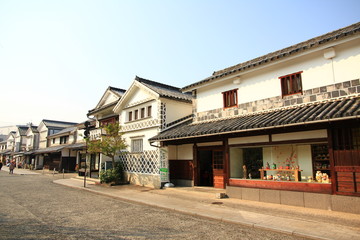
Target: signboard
[{"x": 164, "y": 166}]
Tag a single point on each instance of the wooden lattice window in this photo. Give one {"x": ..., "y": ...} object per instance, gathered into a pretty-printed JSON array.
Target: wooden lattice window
[
  {"x": 291, "y": 84},
  {"x": 230, "y": 98},
  {"x": 218, "y": 160}
]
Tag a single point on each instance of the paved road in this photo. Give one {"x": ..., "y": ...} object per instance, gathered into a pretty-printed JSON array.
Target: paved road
[{"x": 33, "y": 207}]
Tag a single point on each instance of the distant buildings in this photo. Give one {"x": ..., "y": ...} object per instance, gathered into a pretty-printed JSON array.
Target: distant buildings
[{"x": 281, "y": 128}]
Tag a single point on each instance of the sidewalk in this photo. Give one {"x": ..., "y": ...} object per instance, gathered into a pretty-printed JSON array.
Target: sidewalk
[
  {"x": 303, "y": 222},
  {"x": 309, "y": 223}
]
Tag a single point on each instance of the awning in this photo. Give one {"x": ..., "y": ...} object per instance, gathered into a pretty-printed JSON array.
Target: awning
[
  {"x": 6, "y": 152},
  {"x": 49, "y": 149},
  {"x": 76, "y": 146},
  {"x": 316, "y": 112},
  {"x": 60, "y": 147}
]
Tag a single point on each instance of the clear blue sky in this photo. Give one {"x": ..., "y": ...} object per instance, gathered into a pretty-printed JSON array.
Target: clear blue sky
[{"x": 58, "y": 57}]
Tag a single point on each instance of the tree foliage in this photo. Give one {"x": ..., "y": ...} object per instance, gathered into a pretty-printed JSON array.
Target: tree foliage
[{"x": 111, "y": 143}]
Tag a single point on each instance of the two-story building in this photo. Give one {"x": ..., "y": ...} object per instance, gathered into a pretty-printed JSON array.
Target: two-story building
[
  {"x": 31, "y": 144},
  {"x": 146, "y": 108},
  {"x": 103, "y": 114},
  {"x": 281, "y": 128},
  {"x": 18, "y": 154},
  {"x": 66, "y": 147},
  {"x": 49, "y": 156}
]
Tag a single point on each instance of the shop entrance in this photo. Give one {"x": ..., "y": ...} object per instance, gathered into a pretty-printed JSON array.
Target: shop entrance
[{"x": 211, "y": 168}]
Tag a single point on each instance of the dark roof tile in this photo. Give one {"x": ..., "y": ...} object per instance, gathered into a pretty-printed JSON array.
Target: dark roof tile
[{"x": 329, "y": 110}]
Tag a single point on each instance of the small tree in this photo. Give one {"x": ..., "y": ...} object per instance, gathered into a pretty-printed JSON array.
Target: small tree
[{"x": 111, "y": 144}]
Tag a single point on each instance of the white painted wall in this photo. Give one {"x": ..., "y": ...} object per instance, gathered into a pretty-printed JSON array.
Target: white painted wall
[
  {"x": 141, "y": 134},
  {"x": 180, "y": 152},
  {"x": 265, "y": 83},
  {"x": 176, "y": 110}
]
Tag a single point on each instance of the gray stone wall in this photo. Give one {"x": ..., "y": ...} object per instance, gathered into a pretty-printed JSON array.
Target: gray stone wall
[{"x": 311, "y": 95}]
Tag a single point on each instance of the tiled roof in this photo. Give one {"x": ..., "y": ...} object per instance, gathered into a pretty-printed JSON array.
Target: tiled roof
[
  {"x": 331, "y": 110},
  {"x": 50, "y": 149},
  {"x": 22, "y": 130},
  {"x": 164, "y": 90},
  {"x": 34, "y": 129},
  {"x": 65, "y": 130},
  {"x": 117, "y": 91},
  {"x": 59, "y": 124},
  {"x": 286, "y": 52},
  {"x": 109, "y": 105}
]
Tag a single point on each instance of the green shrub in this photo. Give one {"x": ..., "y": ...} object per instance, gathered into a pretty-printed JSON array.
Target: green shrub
[{"x": 113, "y": 175}]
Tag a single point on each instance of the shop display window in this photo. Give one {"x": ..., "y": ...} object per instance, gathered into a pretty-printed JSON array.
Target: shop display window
[{"x": 291, "y": 162}]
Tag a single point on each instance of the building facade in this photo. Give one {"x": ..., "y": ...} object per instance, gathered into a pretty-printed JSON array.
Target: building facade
[
  {"x": 281, "y": 128},
  {"x": 146, "y": 108}
]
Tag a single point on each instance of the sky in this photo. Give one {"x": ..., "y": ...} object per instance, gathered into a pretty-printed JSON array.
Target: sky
[{"x": 58, "y": 57}]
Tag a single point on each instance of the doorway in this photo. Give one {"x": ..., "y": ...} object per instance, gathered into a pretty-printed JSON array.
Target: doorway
[{"x": 211, "y": 168}]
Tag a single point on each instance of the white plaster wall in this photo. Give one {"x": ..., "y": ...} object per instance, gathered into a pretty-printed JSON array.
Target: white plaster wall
[
  {"x": 180, "y": 152},
  {"x": 300, "y": 135},
  {"x": 43, "y": 134},
  {"x": 172, "y": 152},
  {"x": 265, "y": 83},
  {"x": 110, "y": 98},
  {"x": 185, "y": 152},
  {"x": 176, "y": 110},
  {"x": 143, "y": 134},
  {"x": 253, "y": 139},
  {"x": 139, "y": 95}
]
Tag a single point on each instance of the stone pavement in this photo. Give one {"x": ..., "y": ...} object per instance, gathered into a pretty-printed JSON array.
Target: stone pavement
[{"x": 197, "y": 201}]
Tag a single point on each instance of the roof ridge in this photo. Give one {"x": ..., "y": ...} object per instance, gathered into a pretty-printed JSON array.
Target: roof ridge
[
  {"x": 118, "y": 89},
  {"x": 284, "y": 52},
  {"x": 357, "y": 95},
  {"x": 157, "y": 84}
]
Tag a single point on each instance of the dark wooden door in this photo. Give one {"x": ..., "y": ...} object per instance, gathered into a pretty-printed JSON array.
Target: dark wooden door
[{"x": 218, "y": 169}]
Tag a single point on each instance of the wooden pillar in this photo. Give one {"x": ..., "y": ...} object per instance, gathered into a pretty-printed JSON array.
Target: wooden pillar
[
  {"x": 226, "y": 161},
  {"x": 195, "y": 165}
]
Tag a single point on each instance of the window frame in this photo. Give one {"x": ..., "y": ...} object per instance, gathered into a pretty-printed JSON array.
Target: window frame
[
  {"x": 139, "y": 147},
  {"x": 230, "y": 98},
  {"x": 149, "y": 109},
  {"x": 291, "y": 84},
  {"x": 142, "y": 112}
]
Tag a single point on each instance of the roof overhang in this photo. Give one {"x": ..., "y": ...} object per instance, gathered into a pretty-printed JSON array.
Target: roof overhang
[{"x": 312, "y": 113}]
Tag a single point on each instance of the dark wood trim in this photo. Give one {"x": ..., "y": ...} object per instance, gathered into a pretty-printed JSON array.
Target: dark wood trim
[
  {"x": 281, "y": 185},
  {"x": 195, "y": 164},
  {"x": 227, "y": 161},
  {"x": 313, "y": 140}
]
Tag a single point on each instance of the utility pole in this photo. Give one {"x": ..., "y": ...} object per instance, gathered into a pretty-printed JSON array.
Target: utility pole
[{"x": 86, "y": 135}]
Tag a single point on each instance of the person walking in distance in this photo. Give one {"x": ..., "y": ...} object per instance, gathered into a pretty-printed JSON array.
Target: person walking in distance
[
  {"x": 1, "y": 164},
  {"x": 11, "y": 167}
]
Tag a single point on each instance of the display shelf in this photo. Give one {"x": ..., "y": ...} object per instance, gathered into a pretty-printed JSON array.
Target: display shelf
[
  {"x": 297, "y": 172},
  {"x": 320, "y": 158}
]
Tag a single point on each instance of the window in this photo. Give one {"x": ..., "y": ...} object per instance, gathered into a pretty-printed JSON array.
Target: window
[
  {"x": 142, "y": 112},
  {"x": 130, "y": 116},
  {"x": 63, "y": 140},
  {"x": 136, "y": 114},
  {"x": 136, "y": 145},
  {"x": 149, "y": 111},
  {"x": 291, "y": 84},
  {"x": 230, "y": 98},
  {"x": 53, "y": 141}
]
